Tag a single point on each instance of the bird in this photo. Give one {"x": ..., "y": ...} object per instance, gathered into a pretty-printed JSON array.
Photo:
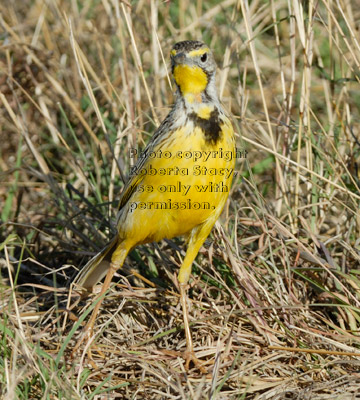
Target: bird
[{"x": 181, "y": 182}]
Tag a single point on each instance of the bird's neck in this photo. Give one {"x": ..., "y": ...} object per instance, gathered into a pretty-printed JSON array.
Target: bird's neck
[{"x": 202, "y": 103}]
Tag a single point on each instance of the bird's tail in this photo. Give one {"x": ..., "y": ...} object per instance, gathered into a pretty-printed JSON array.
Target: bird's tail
[{"x": 97, "y": 267}]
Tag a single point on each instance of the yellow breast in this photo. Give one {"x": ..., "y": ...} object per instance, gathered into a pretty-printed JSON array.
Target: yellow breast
[{"x": 186, "y": 182}]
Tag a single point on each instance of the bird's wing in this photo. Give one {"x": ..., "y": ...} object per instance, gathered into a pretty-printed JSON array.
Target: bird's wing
[
  {"x": 97, "y": 267},
  {"x": 136, "y": 179}
]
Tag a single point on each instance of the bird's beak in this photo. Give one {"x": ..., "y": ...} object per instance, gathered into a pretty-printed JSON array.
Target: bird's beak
[{"x": 179, "y": 58}]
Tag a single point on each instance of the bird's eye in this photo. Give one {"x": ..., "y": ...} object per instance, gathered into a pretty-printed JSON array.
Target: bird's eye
[{"x": 203, "y": 58}]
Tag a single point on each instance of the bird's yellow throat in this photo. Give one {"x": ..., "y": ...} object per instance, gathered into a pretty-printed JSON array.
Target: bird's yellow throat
[{"x": 191, "y": 80}]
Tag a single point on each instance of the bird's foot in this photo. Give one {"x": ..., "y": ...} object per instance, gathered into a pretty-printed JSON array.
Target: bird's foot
[
  {"x": 190, "y": 357},
  {"x": 88, "y": 337}
]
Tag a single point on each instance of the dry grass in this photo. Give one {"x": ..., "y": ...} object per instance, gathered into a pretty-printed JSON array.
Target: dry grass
[{"x": 275, "y": 291}]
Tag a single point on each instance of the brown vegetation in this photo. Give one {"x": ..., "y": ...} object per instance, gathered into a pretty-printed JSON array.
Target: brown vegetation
[{"x": 275, "y": 291}]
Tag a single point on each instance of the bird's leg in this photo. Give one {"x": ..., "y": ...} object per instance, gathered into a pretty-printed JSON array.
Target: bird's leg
[
  {"x": 197, "y": 238},
  {"x": 189, "y": 354}
]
